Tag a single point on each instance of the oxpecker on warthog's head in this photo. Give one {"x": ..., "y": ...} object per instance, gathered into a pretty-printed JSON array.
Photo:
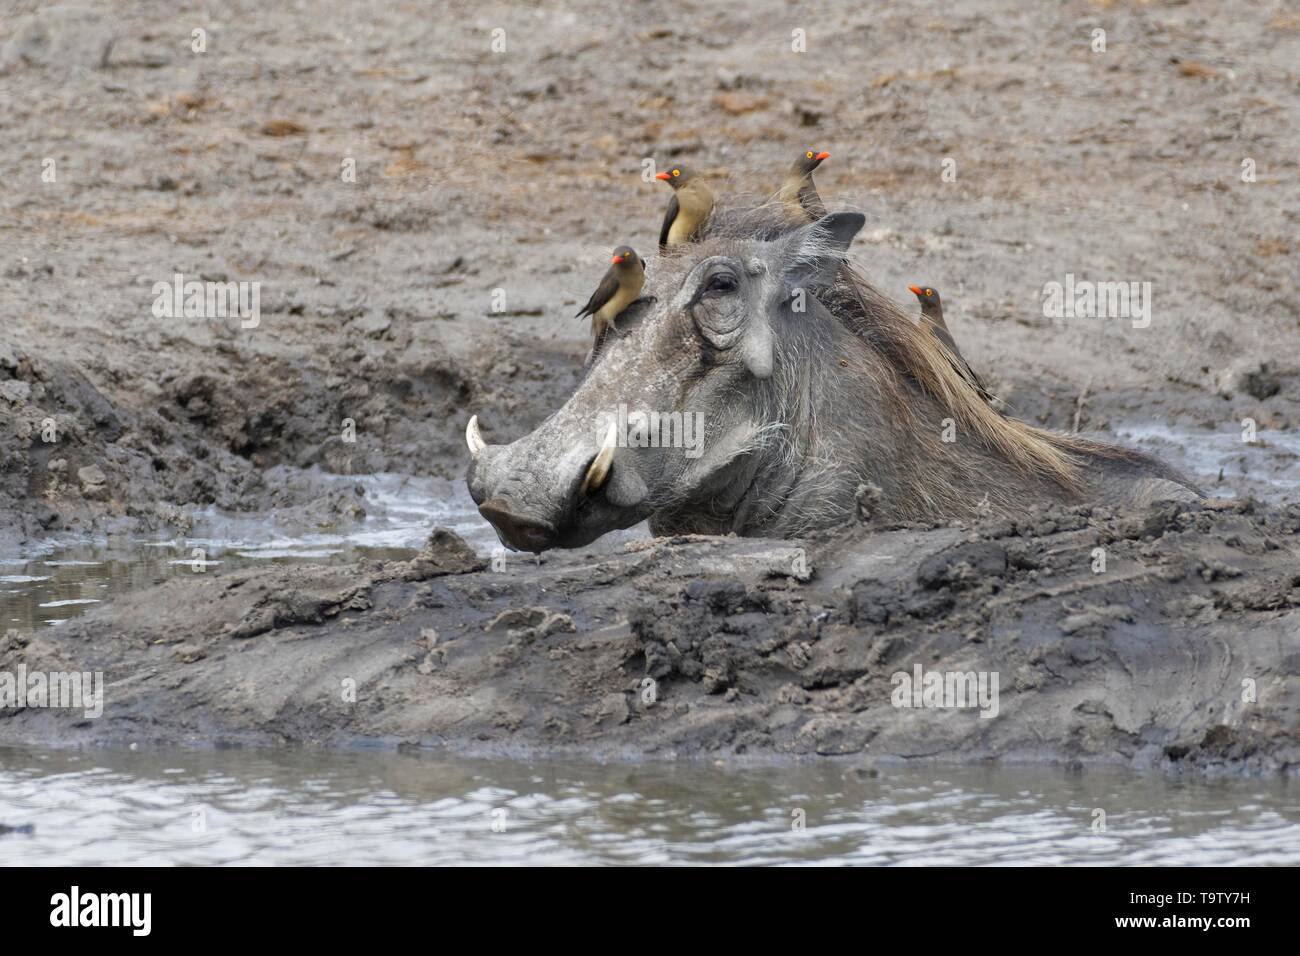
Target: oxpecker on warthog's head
[{"x": 677, "y": 415}]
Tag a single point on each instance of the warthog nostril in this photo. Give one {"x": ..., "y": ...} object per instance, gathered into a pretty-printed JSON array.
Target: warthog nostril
[{"x": 525, "y": 532}]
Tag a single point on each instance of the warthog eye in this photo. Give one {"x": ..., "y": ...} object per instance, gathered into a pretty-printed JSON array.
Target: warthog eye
[
  {"x": 716, "y": 309},
  {"x": 720, "y": 283}
]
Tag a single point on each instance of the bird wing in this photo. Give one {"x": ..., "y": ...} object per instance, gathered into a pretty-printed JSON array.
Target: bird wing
[
  {"x": 939, "y": 329},
  {"x": 604, "y": 292},
  {"x": 668, "y": 222},
  {"x": 811, "y": 201},
  {"x": 974, "y": 379}
]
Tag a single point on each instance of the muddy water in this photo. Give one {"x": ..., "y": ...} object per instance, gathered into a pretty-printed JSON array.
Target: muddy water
[
  {"x": 1221, "y": 459},
  {"x": 47, "y": 583},
  {"x": 196, "y": 807},
  {"x": 295, "y": 807}
]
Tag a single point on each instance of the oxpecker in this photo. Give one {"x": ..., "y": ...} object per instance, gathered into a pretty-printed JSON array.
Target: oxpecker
[
  {"x": 620, "y": 286},
  {"x": 689, "y": 207},
  {"x": 932, "y": 317},
  {"x": 798, "y": 193}
]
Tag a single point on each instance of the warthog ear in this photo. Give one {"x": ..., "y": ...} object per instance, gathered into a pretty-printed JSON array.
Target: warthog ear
[{"x": 816, "y": 251}]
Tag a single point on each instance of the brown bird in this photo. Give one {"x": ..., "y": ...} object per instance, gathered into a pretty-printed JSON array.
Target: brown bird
[
  {"x": 798, "y": 192},
  {"x": 620, "y": 286},
  {"x": 932, "y": 317},
  {"x": 689, "y": 207}
]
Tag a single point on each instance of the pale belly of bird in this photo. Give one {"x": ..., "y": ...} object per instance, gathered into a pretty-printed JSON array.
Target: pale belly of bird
[{"x": 682, "y": 229}]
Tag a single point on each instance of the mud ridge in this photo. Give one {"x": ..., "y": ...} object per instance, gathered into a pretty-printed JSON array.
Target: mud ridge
[{"x": 1182, "y": 654}]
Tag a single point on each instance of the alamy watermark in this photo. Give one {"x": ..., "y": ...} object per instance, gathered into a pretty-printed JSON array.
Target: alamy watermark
[
  {"x": 62, "y": 689},
  {"x": 1082, "y": 299},
  {"x": 130, "y": 910},
  {"x": 651, "y": 429},
  {"x": 195, "y": 299},
  {"x": 941, "y": 690}
]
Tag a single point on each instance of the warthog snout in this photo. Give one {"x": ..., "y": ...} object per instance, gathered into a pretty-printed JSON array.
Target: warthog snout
[
  {"x": 521, "y": 531},
  {"x": 537, "y": 498}
]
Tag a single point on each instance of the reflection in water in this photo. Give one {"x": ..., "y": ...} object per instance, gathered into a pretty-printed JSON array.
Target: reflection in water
[
  {"x": 59, "y": 578},
  {"x": 78, "y": 577},
  {"x": 308, "y": 807},
  {"x": 1221, "y": 460},
  {"x": 62, "y": 577}
]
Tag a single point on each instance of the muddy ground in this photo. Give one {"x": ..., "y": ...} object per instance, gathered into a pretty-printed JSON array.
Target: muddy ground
[
  {"x": 1180, "y": 655},
  {"x": 517, "y": 171}
]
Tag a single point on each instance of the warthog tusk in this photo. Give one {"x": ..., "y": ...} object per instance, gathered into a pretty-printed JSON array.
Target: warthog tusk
[
  {"x": 599, "y": 469},
  {"x": 473, "y": 437}
]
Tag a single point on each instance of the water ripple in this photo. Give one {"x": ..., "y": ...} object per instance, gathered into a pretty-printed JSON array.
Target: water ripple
[{"x": 310, "y": 808}]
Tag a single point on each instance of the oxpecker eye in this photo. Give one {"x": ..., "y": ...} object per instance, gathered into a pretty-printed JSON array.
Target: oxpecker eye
[
  {"x": 929, "y": 292},
  {"x": 677, "y": 172},
  {"x": 809, "y": 154}
]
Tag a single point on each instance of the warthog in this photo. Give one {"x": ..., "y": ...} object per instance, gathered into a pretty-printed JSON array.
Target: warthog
[{"x": 810, "y": 385}]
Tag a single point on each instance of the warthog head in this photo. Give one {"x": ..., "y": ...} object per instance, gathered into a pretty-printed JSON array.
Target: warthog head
[{"x": 677, "y": 412}]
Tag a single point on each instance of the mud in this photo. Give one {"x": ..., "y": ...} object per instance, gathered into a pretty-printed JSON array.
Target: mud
[
  {"x": 518, "y": 171},
  {"x": 1181, "y": 655}
]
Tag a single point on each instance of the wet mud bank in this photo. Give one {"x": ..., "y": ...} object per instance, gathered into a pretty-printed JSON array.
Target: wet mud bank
[{"x": 1182, "y": 655}]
